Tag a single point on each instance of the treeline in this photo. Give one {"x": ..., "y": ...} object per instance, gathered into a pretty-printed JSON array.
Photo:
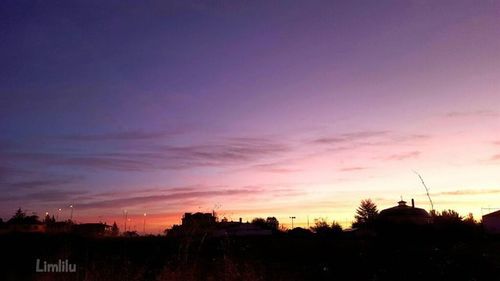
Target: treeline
[{"x": 366, "y": 218}]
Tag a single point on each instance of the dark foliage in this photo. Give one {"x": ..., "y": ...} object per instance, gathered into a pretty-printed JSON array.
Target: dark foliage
[
  {"x": 49, "y": 220},
  {"x": 321, "y": 227},
  {"x": 115, "y": 231},
  {"x": 366, "y": 214},
  {"x": 20, "y": 217},
  {"x": 272, "y": 223},
  {"x": 130, "y": 234},
  {"x": 269, "y": 223},
  {"x": 426, "y": 255}
]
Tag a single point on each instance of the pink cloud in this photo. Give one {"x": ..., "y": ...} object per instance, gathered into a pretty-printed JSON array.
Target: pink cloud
[
  {"x": 351, "y": 169},
  {"x": 403, "y": 156}
]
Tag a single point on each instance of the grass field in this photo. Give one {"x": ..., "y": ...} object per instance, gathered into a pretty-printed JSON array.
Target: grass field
[{"x": 277, "y": 257}]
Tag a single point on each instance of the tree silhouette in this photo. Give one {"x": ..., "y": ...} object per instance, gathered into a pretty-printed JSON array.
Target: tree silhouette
[
  {"x": 336, "y": 227},
  {"x": 259, "y": 222},
  {"x": 450, "y": 222},
  {"x": 20, "y": 217},
  {"x": 451, "y": 214},
  {"x": 446, "y": 217},
  {"x": 49, "y": 220},
  {"x": 366, "y": 213},
  {"x": 269, "y": 223},
  {"x": 272, "y": 223},
  {"x": 130, "y": 234},
  {"x": 320, "y": 226},
  {"x": 470, "y": 219},
  {"x": 115, "y": 230}
]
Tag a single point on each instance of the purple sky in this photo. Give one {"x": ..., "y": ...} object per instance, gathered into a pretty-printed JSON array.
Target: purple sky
[{"x": 252, "y": 108}]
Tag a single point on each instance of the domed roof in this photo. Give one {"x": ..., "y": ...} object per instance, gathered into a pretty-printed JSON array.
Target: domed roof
[
  {"x": 405, "y": 214},
  {"x": 403, "y": 210}
]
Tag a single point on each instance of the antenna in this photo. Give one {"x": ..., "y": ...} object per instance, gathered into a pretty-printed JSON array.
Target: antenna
[
  {"x": 426, "y": 190},
  {"x": 489, "y": 209}
]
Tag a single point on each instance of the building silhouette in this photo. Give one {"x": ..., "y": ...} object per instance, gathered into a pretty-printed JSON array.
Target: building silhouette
[
  {"x": 404, "y": 214},
  {"x": 491, "y": 222}
]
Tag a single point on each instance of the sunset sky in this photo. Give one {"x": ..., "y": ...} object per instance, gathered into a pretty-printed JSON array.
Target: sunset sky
[{"x": 248, "y": 108}]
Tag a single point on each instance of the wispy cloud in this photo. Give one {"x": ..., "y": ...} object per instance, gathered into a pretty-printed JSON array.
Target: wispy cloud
[
  {"x": 368, "y": 138},
  {"x": 242, "y": 152},
  {"x": 473, "y": 113},
  {"x": 495, "y": 157},
  {"x": 277, "y": 168},
  {"x": 352, "y": 169},
  {"x": 43, "y": 196},
  {"x": 142, "y": 191},
  {"x": 231, "y": 151},
  {"x": 203, "y": 195},
  {"x": 120, "y": 136},
  {"x": 7, "y": 172},
  {"x": 151, "y": 197},
  {"x": 35, "y": 184},
  {"x": 404, "y": 156},
  {"x": 350, "y": 137},
  {"x": 154, "y": 157},
  {"x": 469, "y": 192}
]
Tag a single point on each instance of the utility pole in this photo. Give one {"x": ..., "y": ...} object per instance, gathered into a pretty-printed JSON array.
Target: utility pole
[{"x": 293, "y": 217}]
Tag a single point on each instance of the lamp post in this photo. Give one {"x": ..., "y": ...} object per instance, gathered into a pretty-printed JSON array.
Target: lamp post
[
  {"x": 58, "y": 212},
  {"x": 144, "y": 225},
  {"x": 125, "y": 225},
  {"x": 71, "y": 213},
  {"x": 293, "y": 217}
]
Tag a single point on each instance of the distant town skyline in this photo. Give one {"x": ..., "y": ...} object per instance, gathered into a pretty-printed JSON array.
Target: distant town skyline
[{"x": 250, "y": 109}]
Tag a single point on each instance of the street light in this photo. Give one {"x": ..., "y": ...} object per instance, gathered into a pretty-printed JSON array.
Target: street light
[
  {"x": 144, "y": 226},
  {"x": 292, "y": 220},
  {"x": 71, "y": 215},
  {"x": 59, "y": 212}
]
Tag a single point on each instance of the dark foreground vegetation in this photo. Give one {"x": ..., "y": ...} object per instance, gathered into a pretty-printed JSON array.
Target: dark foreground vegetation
[{"x": 413, "y": 254}]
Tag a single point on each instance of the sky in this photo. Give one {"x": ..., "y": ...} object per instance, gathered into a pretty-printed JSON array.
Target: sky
[{"x": 247, "y": 108}]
